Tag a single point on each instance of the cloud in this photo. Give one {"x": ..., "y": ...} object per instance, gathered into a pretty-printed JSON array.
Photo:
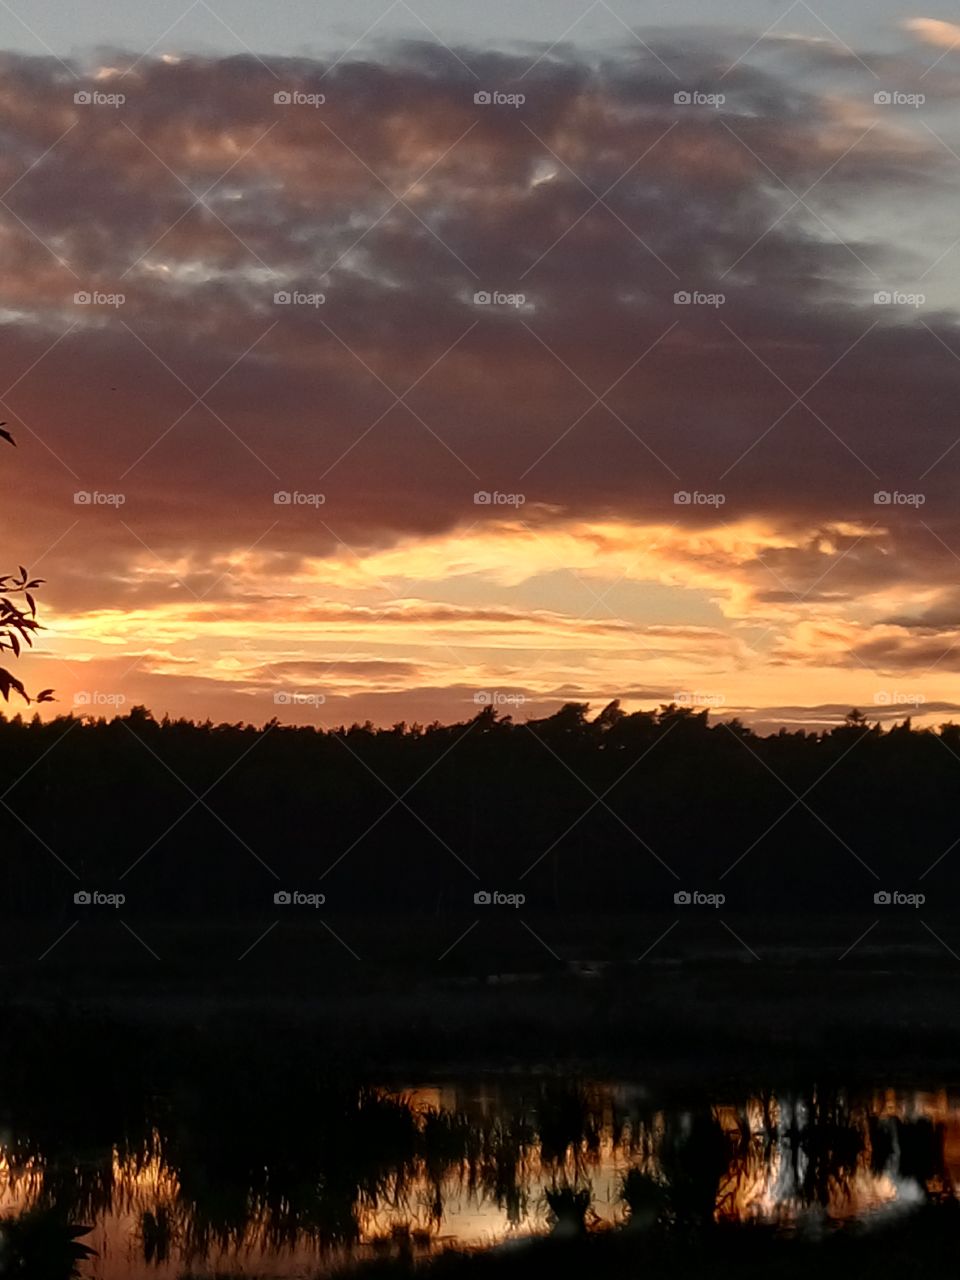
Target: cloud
[
  {"x": 384, "y": 409},
  {"x": 945, "y": 35}
]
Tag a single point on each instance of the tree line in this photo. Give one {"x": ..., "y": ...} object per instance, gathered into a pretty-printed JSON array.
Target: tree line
[{"x": 599, "y": 814}]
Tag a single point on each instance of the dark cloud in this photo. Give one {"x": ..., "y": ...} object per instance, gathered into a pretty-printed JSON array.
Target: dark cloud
[{"x": 303, "y": 398}]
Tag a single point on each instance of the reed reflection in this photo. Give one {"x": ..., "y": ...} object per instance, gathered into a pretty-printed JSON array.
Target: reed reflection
[{"x": 342, "y": 1170}]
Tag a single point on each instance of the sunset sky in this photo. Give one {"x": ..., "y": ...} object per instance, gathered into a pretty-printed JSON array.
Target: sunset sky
[{"x": 806, "y": 197}]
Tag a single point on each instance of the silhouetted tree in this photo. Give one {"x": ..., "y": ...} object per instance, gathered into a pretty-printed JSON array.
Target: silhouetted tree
[
  {"x": 602, "y": 815},
  {"x": 18, "y": 620}
]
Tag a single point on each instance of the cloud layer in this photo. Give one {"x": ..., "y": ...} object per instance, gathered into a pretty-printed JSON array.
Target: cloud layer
[{"x": 805, "y": 426}]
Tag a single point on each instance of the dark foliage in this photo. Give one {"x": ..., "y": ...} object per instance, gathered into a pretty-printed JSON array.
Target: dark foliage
[
  {"x": 607, "y": 815},
  {"x": 18, "y": 619}
]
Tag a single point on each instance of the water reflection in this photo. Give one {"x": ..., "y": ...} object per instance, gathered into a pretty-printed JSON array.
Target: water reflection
[{"x": 290, "y": 1185}]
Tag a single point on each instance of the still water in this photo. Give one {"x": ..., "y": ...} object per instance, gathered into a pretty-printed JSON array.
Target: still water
[{"x": 366, "y": 1171}]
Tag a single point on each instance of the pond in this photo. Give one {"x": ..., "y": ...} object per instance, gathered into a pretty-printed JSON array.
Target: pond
[{"x": 285, "y": 1185}]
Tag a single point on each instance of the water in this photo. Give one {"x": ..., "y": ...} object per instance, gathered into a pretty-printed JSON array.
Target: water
[{"x": 292, "y": 1186}]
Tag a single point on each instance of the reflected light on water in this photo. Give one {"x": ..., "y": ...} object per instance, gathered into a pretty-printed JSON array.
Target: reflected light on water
[{"x": 482, "y": 1159}]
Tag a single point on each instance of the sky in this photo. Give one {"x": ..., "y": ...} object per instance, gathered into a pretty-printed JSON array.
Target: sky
[
  {"x": 317, "y": 29},
  {"x": 389, "y": 361}
]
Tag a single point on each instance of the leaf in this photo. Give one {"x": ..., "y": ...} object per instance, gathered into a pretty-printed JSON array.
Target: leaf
[{"x": 8, "y": 682}]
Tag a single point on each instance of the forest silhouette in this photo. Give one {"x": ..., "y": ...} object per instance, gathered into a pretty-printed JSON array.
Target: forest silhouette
[{"x": 618, "y": 812}]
